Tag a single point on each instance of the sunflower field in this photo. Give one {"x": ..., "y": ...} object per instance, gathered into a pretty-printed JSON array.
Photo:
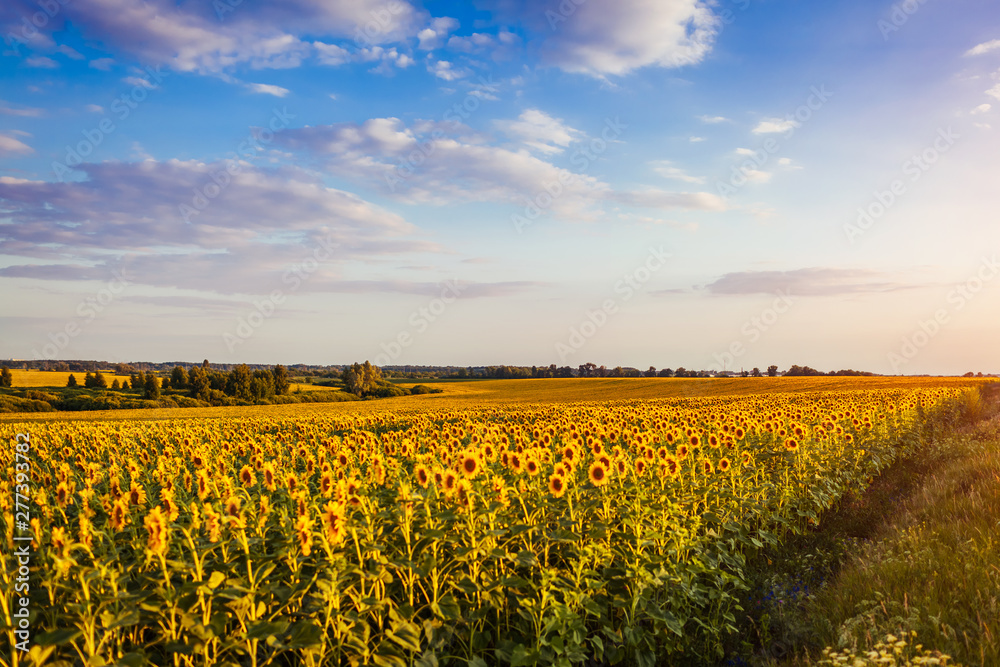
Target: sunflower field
[{"x": 608, "y": 532}]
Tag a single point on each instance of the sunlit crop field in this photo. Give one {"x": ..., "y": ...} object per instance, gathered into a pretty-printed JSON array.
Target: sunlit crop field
[
  {"x": 23, "y": 378},
  {"x": 502, "y": 533}
]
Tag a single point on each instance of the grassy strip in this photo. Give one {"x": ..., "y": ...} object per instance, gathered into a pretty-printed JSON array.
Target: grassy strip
[{"x": 916, "y": 552}]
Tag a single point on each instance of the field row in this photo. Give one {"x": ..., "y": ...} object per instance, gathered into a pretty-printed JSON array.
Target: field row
[{"x": 520, "y": 535}]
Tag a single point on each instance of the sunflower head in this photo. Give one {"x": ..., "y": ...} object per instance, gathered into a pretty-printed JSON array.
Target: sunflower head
[
  {"x": 159, "y": 533},
  {"x": 598, "y": 474},
  {"x": 557, "y": 485}
]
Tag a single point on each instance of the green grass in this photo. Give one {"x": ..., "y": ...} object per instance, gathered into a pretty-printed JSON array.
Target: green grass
[{"x": 919, "y": 551}]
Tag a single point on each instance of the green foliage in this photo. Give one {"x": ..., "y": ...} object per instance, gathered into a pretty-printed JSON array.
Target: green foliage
[
  {"x": 6, "y": 377},
  {"x": 71, "y": 382}
]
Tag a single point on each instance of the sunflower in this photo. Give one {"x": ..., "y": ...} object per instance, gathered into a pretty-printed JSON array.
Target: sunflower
[
  {"x": 640, "y": 467},
  {"x": 422, "y": 474},
  {"x": 333, "y": 519},
  {"x": 724, "y": 465},
  {"x": 83, "y": 533},
  {"x": 557, "y": 485},
  {"x": 63, "y": 494},
  {"x": 746, "y": 458},
  {"x": 672, "y": 466},
  {"x": 450, "y": 480},
  {"x": 59, "y": 541},
  {"x": 791, "y": 445},
  {"x": 291, "y": 481},
  {"x": 233, "y": 505},
  {"x": 707, "y": 466},
  {"x": 159, "y": 533},
  {"x": 203, "y": 484},
  {"x": 621, "y": 466},
  {"x": 303, "y": 530},
  {"x": 119, "y": 515},
  {"x": 213, "y": 523},
  {"x": 468, "y": 464},
  {"x": 682, "y": 452},
  {"x": 247, "y": 478},
  {"x": 515, "y": 463},
  {"x": 326, "y": 483},
  {"x": 269, "y": 482},
  {"x": 531, "y": 465},
  {"x": 598, "y": 474}
]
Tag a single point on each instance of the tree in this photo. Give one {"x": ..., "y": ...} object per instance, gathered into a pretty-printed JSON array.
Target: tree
[
  {"x": 772, "y": 371},
  {"x": 71, "y": 382},
  {"x": 115, "y": 386},
  {"x": 755, "y": 372},
  {"x": 88, "y": 380},
  {"x": 178, "y": 378},
  {"x": 651, "y": 373},
  {"x": 667, "y": 373},
  {"x": 238, "y": 383},
  {"x": 6, "y": 377},
  {"x": 125, "y": 386},
  {"x": 204, "y": 364},
  {"x": 280, "y": 376},
  {"x": 364, "y": 380},
  {"x": 198, "y": 383},
  {"x": 165, "y": 384},
  {"x": 100, "y": 382},
  {"x": 151, "y": 388}
]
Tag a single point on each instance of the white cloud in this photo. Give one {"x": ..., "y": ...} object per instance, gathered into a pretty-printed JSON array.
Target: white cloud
[
  {"x": 601, "y": 38},
  {"x": 982, "y": 108},
  {"x": 94, "y": 108},
  {"x": 42, "y": 62},
  {"x": 18, "y": 110},
  {"x": 11, "y": 146},
  {"x": 696, "y": 140},
  {"x": 540, "y": 131},
  {"x": 994, "y": 91},
  {"x": 713, "y": 120},
  {"x": 454, "y": 168},
  {"x": 433, "y": 36},
  {"x": 103, "y": 64},
  {"x": 331, "y": 54},
  {"x": 268, "y": 89},
  {"x": 138, "y": 81},
  {"x": 71, "y": 52},
  {"x": 207, "y": 38},
  {"x": 775, "y": 126},
  {"x": 666, "y": 169},
  {"x": 443, "y": 69},
  {"x": 228, "y": 246},
  {"x": 983, "y": 48}
]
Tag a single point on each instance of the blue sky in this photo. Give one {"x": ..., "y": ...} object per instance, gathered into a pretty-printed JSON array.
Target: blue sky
[{"x": 671, "y": 183}]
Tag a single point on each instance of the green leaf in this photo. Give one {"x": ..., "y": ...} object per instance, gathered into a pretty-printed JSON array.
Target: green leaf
[{"x": 57, "y": 637}]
